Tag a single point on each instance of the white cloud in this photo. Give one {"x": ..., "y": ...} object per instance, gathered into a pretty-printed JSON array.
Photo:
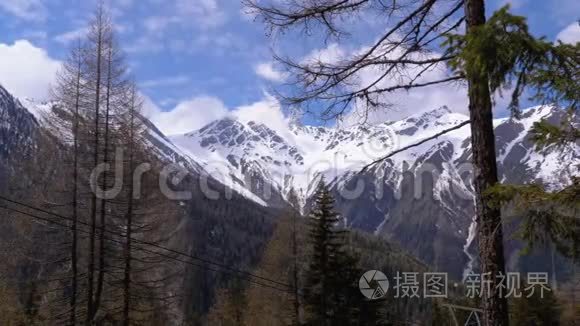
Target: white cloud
[
  {"x": 201, "y": 18},
  {"x": 157, "y": 24},
  {"x": 332, "y": 53},
  {"x": 570, "y": 34},
  {"x": 401, "y": 103},
  {"x": 70, "y": 36},
  {"x": 123, "y": 28},
  {"x": 267, "y": 71},
  {"x": 206, "y": 13},
  {"x": 188, "y": 115},
  {"x": 197, "y": 112},
  {"x": 166, "y": 81},
  {"x": 145, "y": 44},
  {"x": 268, "y": 111},
  {"x": 26, "y": 70},
  {"x": 168, "y": 101},
  {"x": 30, "y": 10},
  {"x": 201, "y": 13}
]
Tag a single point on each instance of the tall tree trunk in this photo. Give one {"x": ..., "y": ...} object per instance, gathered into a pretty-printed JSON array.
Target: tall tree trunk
[
  {"x": 102, "y": 220},
  {"x": 127, "y": 278},
  {"x": 295, "y": 271},
  {"x": 91, "y": 308},
  {"x": 128, "y": 240},
  {"x": 74, "y": 262},
  {"x": 490, "y": 231}
]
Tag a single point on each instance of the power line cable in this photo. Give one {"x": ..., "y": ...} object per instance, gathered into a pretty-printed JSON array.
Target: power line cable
[
  {"x": 148, "y": 250},
  {"x": 231, "y": 271},
  {"x": 204, "y": 260}
]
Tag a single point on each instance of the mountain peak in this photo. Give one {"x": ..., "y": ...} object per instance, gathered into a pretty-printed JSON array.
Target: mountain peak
[
  {"x": 5, "y": 96},
  {"x": 438, "y": 112}
]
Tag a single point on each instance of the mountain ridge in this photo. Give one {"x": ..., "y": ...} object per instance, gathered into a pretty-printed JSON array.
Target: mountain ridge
[{"x": 421, "y": 198}]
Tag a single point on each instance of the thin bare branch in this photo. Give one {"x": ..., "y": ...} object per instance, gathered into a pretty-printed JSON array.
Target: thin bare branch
[{"x": 446, "y": 131}]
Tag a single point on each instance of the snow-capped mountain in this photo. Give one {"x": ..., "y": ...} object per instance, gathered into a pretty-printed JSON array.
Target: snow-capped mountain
[
  {"x": 21, "y": 119},
  {"x": 232, "y": 230},
  {"x": 422, "y": 197},
  {"x": 253, "y": 155},
  {"x": 13, "y": 116}
]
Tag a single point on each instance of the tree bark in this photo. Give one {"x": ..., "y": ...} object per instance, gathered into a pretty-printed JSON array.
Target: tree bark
[
  {"x": 127, "y": 277},
  {"x": 490, "y": 231},
  {"x": 91, "y": 309},
  {"x": 74, "y": 261},
  {"x": 295, "y": 271},
  {"x": 128, "y": 236},
  {"x": 102, "y": 219}
]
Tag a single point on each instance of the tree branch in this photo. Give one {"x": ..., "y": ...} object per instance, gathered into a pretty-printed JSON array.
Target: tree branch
[
  {"x": 412, "y": 85},
  {"x": 414, "y": 145}
]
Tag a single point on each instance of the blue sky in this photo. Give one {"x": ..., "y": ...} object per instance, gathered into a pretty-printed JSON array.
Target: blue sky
[{"x": 200, "y": 57}]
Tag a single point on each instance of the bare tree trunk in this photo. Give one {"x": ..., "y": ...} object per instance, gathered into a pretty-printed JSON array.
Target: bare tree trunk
[
  {"x": 128, "y": 239},
  {"x": 295, "y": 271},
  {"x": 74, "y": 261},
  {"x": 127, "y": 279},
  {"x": 102, "y": 220},
  {"x": 91, "y": 308},
  {"x": 483, "y": 146}
]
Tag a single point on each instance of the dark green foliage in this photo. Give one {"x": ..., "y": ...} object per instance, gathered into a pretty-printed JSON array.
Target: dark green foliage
[
  {"x": 440, "y": 315},
  {"x": 545, "y": 134},
  {"x": 331, "y": 290},
  {"x": 535, "y": 310},
  {"x": 548, "y": 216},
  {"x": 504, "y": 50},
  {"x": 324, "y": 293}
]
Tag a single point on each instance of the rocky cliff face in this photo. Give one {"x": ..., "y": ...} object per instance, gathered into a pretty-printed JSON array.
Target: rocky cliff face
[
  {"x": 17, "y": 126},
  {"x": 230, "y": 230},
  {"x": 421, "y": 198}
]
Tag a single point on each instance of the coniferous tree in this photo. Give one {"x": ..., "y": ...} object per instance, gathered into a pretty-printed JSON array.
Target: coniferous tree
[
  {"x": 132, "y": 141},
  {"x": 229, "y": 308},
  {"x": 331, "y": 277},
  {"x": 295, "y": 280},
  {"x": 69, "y": 92},
  {"x": 490, "y": 55},
  {"x": 535, "y": 309},
  {"x": 280, "y": 260},
  {"x": 98, "y": 110},
  {"x": 97, "y": 35}
]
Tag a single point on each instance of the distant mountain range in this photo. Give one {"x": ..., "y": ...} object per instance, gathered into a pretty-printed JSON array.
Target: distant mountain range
[{"x": 421, "y": 198}]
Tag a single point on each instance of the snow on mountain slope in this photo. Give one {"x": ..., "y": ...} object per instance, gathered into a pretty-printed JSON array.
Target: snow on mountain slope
[
  {"x": 421, "y": 198},
  {"x": 155, "y": 141},
  {"x": 251, "y": 155},
  {"x": 14, "y": 117}
]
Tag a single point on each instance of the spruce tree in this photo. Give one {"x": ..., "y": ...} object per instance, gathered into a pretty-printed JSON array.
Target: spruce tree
[
  {"x": 331, "y": 277},
  {"x": 535, "y": 309}
]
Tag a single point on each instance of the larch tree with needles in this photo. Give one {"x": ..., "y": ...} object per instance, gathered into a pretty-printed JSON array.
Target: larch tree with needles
[
  {"x": 420, "y": 36},
  {"x": 69, "y": 91}
]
